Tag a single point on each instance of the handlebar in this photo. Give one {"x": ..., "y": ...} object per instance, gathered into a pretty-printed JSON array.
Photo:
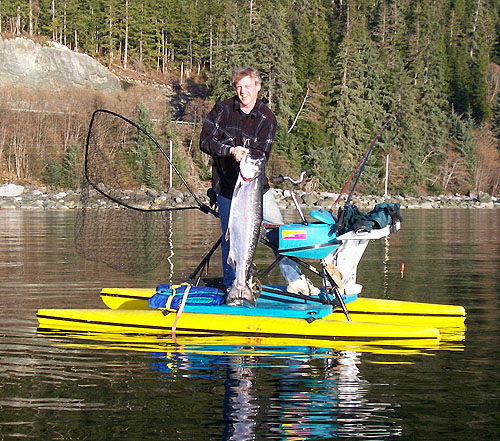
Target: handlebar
[{"x": 280, "y": 179}]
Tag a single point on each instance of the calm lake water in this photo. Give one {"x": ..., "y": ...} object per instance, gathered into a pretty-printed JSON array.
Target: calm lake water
[{"x": 58, "y": 388}]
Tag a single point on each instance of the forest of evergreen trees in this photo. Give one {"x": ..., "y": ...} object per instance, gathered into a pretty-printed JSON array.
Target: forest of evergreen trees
[{"x": 333, "y": 72}]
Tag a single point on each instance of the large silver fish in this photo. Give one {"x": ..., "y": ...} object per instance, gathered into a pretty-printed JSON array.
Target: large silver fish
[{"x": 245, "y": 220}]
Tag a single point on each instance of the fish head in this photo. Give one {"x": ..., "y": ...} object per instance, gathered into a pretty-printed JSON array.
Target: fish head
[{"x": 252, "y": 164}]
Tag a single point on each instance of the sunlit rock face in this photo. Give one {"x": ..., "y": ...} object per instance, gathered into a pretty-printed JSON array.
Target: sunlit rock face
[{"x": 24, "y": 63}]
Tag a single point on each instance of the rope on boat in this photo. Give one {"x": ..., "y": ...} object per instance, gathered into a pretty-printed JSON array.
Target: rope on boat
[{"x": 180, "y": 310}]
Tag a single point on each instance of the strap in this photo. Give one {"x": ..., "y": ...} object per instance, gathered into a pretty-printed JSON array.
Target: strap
[{"x": 180, "y": 310}]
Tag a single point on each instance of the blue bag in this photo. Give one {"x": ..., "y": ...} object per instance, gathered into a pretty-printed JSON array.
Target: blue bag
[{"x": 170, "y": 296}]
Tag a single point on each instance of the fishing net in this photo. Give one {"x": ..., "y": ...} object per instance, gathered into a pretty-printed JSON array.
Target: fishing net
[
  {"x": 126, "y": 218},
  {"x": 133, "y": 242}
]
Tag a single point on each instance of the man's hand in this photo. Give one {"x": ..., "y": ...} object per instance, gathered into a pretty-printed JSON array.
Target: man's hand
[{"x": 239, "y": 152}]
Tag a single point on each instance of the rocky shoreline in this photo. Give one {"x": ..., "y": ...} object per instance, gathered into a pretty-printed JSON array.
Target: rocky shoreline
[{"x": 13, "y": 197}]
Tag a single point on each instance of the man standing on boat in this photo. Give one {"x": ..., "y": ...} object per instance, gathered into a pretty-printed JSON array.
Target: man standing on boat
[{"x": 232, "y": 128}]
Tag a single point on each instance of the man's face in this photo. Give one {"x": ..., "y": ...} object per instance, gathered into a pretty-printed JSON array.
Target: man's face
[{"x": 247, "y": 92}]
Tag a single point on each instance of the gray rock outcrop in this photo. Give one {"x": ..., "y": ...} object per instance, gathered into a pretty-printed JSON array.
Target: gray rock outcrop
[{"x": 53, "y": 66}]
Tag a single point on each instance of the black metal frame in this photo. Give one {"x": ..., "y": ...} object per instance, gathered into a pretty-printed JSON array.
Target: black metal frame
[{"x": 196, "y": 275}]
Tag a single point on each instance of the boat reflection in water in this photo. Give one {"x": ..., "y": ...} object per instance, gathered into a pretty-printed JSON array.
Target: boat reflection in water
[
  {"x": 273, "y": 385},
  {"x": 334, "y": 404}
]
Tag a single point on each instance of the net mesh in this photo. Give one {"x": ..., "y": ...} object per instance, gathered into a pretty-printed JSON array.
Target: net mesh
[
  {"x": 125, "y": 219},
  {"x": 129, "y": 241}
]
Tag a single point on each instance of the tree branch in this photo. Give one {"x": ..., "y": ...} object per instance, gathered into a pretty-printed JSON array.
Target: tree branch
[{"x": 300, "y": 110}]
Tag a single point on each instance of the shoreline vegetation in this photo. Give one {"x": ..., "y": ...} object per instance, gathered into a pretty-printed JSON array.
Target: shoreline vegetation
[
  {"x": 14, "y": 197},
  {"x": 55, "y": 158}
]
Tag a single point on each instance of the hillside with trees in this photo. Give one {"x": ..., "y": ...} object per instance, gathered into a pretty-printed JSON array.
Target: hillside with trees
[{"x": 333, "y": 72}]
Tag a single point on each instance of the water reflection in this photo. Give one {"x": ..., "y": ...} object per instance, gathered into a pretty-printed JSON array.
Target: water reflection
[
  {"x": 170, "y": 256},
  {"x": 240, "y": 404},
  {"x": 294, "y": 392},
  {"x": 315, "y": 394},
  {"x": 70, "y": 387},
  {"x": 11, "y": 240},
  {"x": 333, "y": 403}
]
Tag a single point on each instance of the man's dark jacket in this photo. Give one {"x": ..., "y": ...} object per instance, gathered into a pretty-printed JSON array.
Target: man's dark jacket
[{"x": 227, "y": 126}]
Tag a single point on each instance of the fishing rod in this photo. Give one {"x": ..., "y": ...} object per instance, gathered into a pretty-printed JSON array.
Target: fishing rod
[{"x": 363, "y": 160}]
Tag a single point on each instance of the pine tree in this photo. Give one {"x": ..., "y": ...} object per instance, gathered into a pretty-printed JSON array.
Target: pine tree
[
  {"x": 428, "y": 67},
  {"x": 234, "y": 49},
  {"x": 90, "y": 26},
  {"x": 204, "y": 25},
  {"x": 471, "y": 40},
  {"x": 404, "y": 136},
  {"x": 273, "y": 44},
  {"x": 458, "y": 72},
  {"x": 495, "y": 124},
  {"x": 309, "y": 29},
  {"x": 479, "y": 88},
  {"x": 356, "y": 102},
  {"x": 71, "y": 170},
  {"x": 461, "y": 135},
  {"x": 141, "y": 156}
]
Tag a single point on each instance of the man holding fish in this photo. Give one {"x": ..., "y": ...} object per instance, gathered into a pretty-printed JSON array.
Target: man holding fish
[{"x": 238, "y": 133}]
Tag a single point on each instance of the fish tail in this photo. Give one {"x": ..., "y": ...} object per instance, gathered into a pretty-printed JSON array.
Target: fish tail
[{"x": 238, "y": 295}]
